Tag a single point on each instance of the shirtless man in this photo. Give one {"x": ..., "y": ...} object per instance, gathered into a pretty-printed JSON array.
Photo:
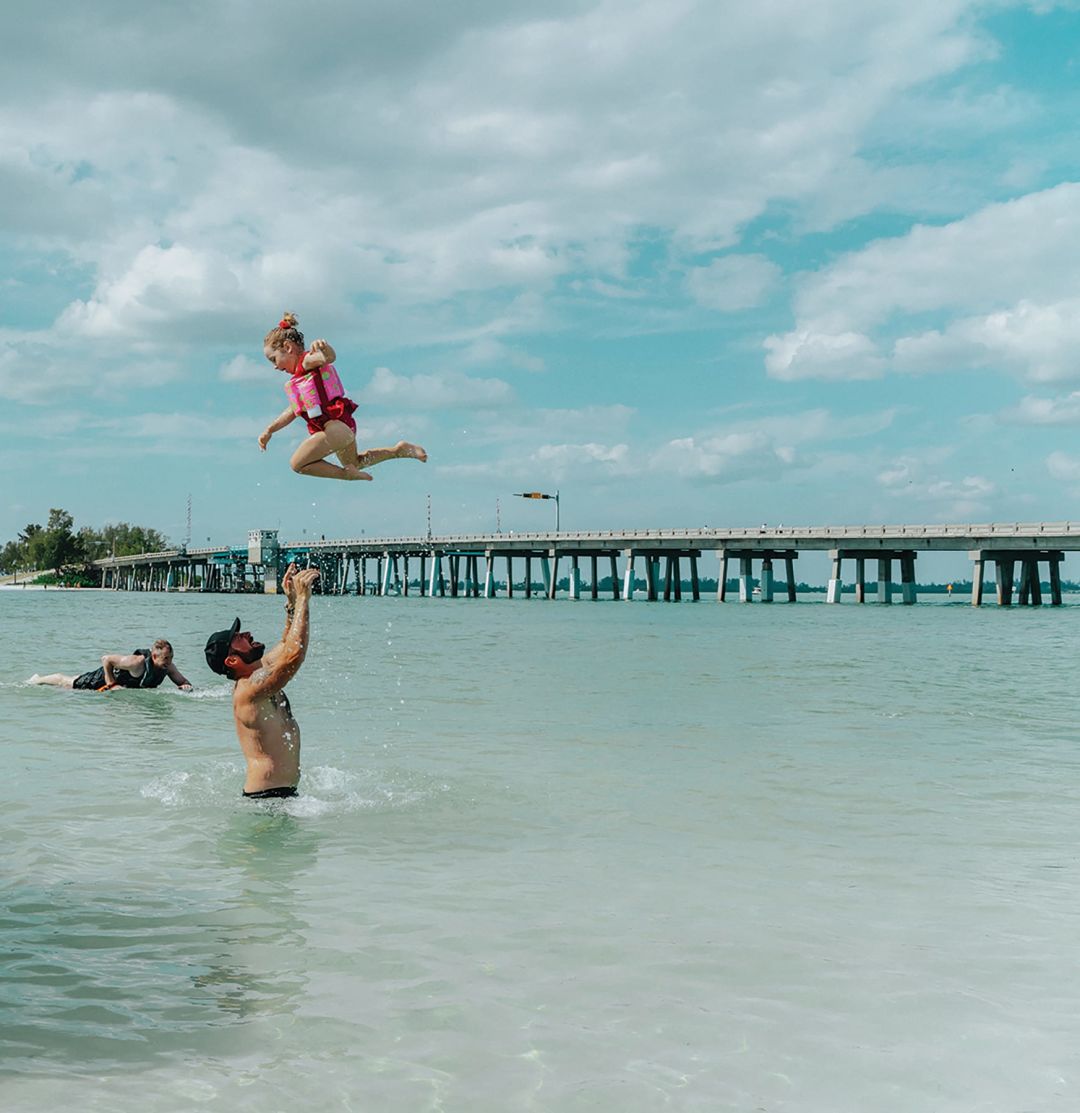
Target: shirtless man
[
  {"x": 144, "y": 668},
  {"x": 269, "y": 735}
]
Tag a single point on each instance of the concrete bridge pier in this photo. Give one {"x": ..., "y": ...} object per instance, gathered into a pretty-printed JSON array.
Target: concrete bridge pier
[
  {"x": 1030, "y": 588},
  {"x": 628, "y": 576},
  {"x": 907, "y": 579},
  {"x": 549, "y": 565},
  {"x": 746, "y": 573},
  {"x": 766, "y": 579},
  {"x": 836, "y": 583},
  {"x": 489, "y": 575},
  {"x": 885, "y": 584},
  {"x": 436, "y": 575},
  {"x": 721, "y": 583}
]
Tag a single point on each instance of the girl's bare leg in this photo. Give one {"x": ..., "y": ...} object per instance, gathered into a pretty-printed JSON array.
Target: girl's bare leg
[
  {"x": 310, "y": 457},
  {"x": 56, "y": 679},
  {"x": 403, "y": 450}
]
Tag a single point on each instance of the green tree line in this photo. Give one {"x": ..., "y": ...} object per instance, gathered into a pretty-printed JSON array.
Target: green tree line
[{"x": 58, "y": 547}]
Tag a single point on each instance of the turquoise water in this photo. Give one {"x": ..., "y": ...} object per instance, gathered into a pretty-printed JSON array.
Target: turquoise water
[{"x": 548, "y": 857}]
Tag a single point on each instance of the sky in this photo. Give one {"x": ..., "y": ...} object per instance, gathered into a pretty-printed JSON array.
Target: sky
[{"x": 699, "y": 263}]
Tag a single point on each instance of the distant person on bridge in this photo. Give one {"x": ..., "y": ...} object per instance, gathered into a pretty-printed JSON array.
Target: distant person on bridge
[
  {"x": 316, "y": 394},
  {"x": 142, "y": 668},
  {"x": 269, "y": 736}
]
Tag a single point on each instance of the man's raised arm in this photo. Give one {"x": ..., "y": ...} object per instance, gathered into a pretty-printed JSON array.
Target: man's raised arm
[{"x": 283, "y": 662}]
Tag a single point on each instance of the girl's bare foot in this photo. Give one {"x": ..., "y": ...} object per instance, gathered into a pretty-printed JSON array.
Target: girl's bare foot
[
  {"x": 405, "y": 451},
  {"x": 356, "y": 473}
]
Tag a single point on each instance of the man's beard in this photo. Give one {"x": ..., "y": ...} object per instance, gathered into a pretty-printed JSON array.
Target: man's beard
[{"x": 253, "y": 654}]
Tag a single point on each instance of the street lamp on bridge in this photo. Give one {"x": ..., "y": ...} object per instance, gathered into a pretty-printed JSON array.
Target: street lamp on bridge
[{"x": 541, "y": 495}]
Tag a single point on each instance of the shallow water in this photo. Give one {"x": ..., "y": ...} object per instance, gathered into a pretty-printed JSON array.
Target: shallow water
[{"x": 548, "y": 856}]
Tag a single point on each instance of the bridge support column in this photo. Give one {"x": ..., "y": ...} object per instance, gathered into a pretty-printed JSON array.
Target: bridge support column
[
  {"x": 509, "y": 576},
  {"x": 628, "y": 577},
  {"x": 789, "y": 571},
  {"x": 835, "y": 582},
  {"x": 884, "y": 580},
  {"x": 860, "y": 579},
  {"x": 977, "y": 569},
  {"x": 721, "y": 583},
  {"x": 1030, "y": 588},
  {"x": 746, "y": 574},
  {"x": 695, "y": 584},
  {"x": 575, "y": 579},
  {"x": 907, "y": 578},
  {"x": 614, "y": 576},
  {"x": 436, "y": 574},
  {"x": 594, "y": 591},
  {"x": 766, "y": 580},
  {"x": 528, "y": 576},
  {"x": 550, "y": 566},
  {"x": 1003, "y": 579},
  {"x": 489, "y": 575},
  {"x": 385, "y": 566}
]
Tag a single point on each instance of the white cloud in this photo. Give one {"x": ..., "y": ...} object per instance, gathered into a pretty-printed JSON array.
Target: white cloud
[
  {"x": 558, "y": 461},
  {"x": 997, "y": 274},
  {"x": 805, "y": 354},
  {"x": 243, "y": 369},
  {"x": 733, "y": 282},
  {"x": 1032, "y": 410},
  {"x": 178, "y": 430},
  {"x": 1040, "y": 342},
  {"x": 1063, "y": 467},
  {"x": 490, "y": 151},
  {"x": 449, "y": 390},
  {"x": 915, "y": 480}
]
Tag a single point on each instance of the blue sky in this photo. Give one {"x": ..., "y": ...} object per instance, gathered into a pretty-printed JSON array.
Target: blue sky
[{"x": 691, "y": 263}]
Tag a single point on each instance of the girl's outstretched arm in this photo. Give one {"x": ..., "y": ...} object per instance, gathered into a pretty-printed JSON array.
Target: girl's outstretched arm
[
  {"x": 319, "y": 354},
  {"x": 286, "y": 417}
]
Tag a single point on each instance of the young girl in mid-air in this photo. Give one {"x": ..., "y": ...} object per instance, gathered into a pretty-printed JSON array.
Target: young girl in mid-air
[{"x": 316, "y": 394}]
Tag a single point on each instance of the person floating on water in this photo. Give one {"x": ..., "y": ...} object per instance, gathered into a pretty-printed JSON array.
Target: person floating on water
[
  {"x": 142, "y": 668},
  {"x": 316, "y": 394},
  {"x": 269, "y": 735}
]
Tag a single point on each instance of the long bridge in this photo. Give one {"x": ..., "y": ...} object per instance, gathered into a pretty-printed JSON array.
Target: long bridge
[{"x": 466, "y": 565}]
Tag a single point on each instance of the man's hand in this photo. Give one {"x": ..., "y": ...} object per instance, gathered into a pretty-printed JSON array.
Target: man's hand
[
  {"x": 288, "y": 585},
  {"x": 304, "y": 581},
  {"x": 185, "y": 688}
]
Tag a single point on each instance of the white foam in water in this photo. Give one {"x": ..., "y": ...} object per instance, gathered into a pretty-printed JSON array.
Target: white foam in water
[{"x": 324, "y": 790}]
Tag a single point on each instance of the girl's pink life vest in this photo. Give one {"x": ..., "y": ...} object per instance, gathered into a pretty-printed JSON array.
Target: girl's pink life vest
[{"x": 309, "y": 391}]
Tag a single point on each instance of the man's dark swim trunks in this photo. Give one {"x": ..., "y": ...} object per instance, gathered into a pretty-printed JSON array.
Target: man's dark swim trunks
[
  {"x": 272, "y": 793},
  {"x": 150, "y": 677},
  {"x": 92, "y": 680}
]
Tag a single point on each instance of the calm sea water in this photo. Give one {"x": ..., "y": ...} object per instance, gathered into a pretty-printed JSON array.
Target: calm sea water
[{"x": 548, "y": 857}]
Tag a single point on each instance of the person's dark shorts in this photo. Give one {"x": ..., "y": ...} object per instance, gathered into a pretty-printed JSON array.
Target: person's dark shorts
[
  {"x": 92, "y": 680},
  {"x": 282, "y": 793}
]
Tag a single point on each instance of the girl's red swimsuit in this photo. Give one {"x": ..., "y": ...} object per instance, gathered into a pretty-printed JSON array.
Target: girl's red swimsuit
[{"x": 333, "y": 409}]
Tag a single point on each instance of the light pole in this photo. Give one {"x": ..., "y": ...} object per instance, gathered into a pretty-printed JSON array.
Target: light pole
[{"x": 541, "y": 495}]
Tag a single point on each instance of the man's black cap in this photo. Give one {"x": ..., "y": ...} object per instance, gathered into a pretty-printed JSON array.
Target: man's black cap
[{"x": 218, "y": 647}]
